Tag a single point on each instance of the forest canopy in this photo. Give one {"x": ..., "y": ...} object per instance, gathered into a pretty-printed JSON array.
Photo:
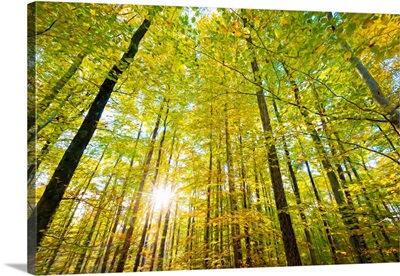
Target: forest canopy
[{"x": 171, "y": 138}]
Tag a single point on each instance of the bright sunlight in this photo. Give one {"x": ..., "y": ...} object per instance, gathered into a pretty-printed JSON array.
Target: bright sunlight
[{"x": 162, "y": 196}]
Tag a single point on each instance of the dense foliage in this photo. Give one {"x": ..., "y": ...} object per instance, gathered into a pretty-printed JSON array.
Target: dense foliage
[{"x": 234, "y": 138}]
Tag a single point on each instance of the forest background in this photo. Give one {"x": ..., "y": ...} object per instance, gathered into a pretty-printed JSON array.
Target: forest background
[{"x": 13, "y": 112}]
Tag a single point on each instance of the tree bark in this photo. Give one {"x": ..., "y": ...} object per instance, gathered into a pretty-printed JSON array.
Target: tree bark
[
  {"x": 289, "y": 238},
  {"x": 389, "y": 109},
  {"x": 41, "y": 216},
  {"x": 296, "y": 191}
]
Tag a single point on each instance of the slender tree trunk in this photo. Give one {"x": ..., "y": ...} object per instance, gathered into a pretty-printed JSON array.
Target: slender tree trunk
[
  {"x": 142, "y": 240},
  {"x": 177, "y": 241},
  {"x": 209, "y": 182},
  {"x": 117, "y": 250},
  {"x": 40, "y": 218},
  {"x": 189, "y": 237},
  {"x": 369, "y": 202},
  {"x": 48, "y": 99},
  {"x": 144, "y": 253},
  {"x": 158, "y": 164},
  {"x": 296, "y": 191},
  {"x": 390, "y": 109},
  {"x": 237, "y": 251},
  {"x": 346, "y": 210},
  {"x": 69, "y": 221},
  {"x": 289, "y": 238},
  {"x": 100, "y": 207},
  {"x": 246, "y": 206},
  {"x": 100, "y": 258},
  {"x": 155, "y": 243},
  {"x": 161, "y": 254},
  {"x": 332, "y": 245},
  {"x": 138, "y": 195},
  {"x": 120, "y": 206},
  {"x": 173, "y": 236},
  {"x": 260, "y": 243}
]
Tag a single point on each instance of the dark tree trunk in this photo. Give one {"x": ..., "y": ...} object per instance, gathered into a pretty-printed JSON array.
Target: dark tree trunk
[
  {"x": 173, "y": 237},
  {"x": 246, "y": 205},
  {"x": 69, "y": 221},
  {"x": 155, "y": 243},
  {"x": 289, "y": 238},
  {"x": 161, "y": 254},
  {"x": 332, "y": 245},
  {"x": 160, "y": 259},
  {"x": 189, "y": 236},
  {"x": 296, "y": 191},
  {"x": 40, "y": 218},
  {"x": 142, "y": 240}
]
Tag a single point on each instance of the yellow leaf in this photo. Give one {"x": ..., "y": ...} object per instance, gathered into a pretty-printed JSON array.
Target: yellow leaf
[
  {"x": 320, "y": 49},
  {"x": 238, "y": 33},
  {"x": 284, "y": 21},
  {"x": 235, "y": 25}
]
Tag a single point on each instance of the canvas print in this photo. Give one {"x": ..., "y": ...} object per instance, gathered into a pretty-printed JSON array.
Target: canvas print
[{"x": 179, "y": 138}]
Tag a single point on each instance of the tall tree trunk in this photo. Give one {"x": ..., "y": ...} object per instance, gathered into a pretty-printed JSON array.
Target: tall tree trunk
[
  {"x": 237, "y": 251},
  {"x": 142, "y": 239},
  {"x": 372, "y": 207},
  {"x": 189, "y": 236},
  {"x": 289, "y": 238},
  {"x": 332, "y": 245},
  {"x": 40, "y": 218},
  {"x": 69, "y": 221},
  {"x": 260, "y": 242},
  {"x": 117, "y": 250},
  {"x": 138, "y": 195},
  {"x": 390, "y": 109},
  {"x": 161, "y": 254},
  {"x": 346, "y": 210},
  {"x": 158, "y": 164},
  {"x": 100, "y": 207},
  {"x": 119, "y": 205},
  {"x": 173, "y": 237},
  {"x": 209, "y": 182},
  {"x": 155, "y": 243},
  {"x": 296, "y": 191},
  {"x": 48, "y": 99},
  {"x": 246, "y": 206}
]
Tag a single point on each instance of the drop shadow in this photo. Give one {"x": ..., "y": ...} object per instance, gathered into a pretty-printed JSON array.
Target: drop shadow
[{"x": 21, "y": 267}]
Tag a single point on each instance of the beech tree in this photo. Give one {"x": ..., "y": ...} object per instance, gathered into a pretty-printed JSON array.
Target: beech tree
[{"x": 172, "y": 138}]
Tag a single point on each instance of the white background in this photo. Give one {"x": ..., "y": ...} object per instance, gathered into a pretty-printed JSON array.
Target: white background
[{"x": 13, "y": 131}]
